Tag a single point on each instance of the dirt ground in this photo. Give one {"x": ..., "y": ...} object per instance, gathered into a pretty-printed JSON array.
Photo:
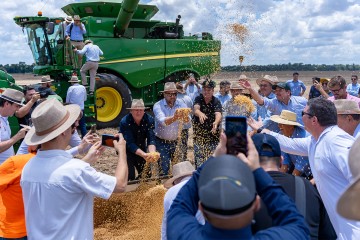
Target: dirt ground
[{"x": 138, "y": 214}]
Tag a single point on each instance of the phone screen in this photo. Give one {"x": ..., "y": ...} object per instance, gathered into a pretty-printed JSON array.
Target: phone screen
[
  {"x": 236, "y": 133},
  {"x": 107, "y": 140}
]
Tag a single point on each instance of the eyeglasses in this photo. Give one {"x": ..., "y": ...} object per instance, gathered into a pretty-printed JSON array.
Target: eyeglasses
[
  {"x": 171, "y": 94},
  {"x": 305, "y": 113},
  {"x": 353, "y": 79},
  {"x": 263, "y": 85},
  {"x": 335, "y": 91}
]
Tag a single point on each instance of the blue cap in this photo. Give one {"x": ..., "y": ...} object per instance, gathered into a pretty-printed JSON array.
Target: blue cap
[{"x": 273, "y": 147}]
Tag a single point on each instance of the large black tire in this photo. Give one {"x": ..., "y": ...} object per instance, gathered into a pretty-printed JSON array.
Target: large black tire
[{"x": 112, "y": 98}]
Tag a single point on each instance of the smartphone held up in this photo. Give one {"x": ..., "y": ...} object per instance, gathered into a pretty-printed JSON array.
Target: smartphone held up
[
  {"x": 236, "y": 134},
  {"x": 107, "y": 140}
]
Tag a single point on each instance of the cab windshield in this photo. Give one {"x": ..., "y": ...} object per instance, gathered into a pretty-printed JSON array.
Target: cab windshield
[{"x": 41, "y": 43}]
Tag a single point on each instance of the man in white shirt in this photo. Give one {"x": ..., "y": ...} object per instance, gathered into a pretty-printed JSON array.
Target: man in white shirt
[
  {"x": 76, "y": 94},
  {"x": 10, "y": 102},
  {"x": 58, "y": 190},
  {"x": 181, "y": 174},
  {"x": 328, "y": 149}
]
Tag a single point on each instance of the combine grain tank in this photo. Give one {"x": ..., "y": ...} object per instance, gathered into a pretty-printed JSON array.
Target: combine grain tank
[{"x": 140, "y": 54}]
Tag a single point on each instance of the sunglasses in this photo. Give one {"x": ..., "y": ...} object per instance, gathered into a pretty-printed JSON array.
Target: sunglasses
[
  {"x": 171, "y": 94},
  {"x": 305, "y": 113}
]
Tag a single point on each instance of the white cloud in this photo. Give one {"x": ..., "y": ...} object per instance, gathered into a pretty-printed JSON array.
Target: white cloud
[{"x": 282, "y": 31}]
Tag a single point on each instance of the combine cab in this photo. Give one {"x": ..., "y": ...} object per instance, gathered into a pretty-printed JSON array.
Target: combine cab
[{"x": 140, "y": 54}]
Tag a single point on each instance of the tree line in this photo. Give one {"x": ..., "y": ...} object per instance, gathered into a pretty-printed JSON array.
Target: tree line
[
  {"x": 22, "y": 67},
  {"x": 293, "y": 67}
]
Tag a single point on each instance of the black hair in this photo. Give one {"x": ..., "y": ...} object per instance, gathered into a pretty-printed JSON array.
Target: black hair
[{"x": 324, "y": 110}]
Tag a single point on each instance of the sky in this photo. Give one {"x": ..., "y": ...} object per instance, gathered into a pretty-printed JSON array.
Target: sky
[{"x": 278, "y": 31}]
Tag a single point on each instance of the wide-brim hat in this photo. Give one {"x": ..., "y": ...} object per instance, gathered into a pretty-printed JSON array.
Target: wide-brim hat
[
  {"x": 243, "y": 77},
  {"x": 74, "y": 79},
  {"x": 170, "y": 87},
  {"x": 235, "y": 85},
  {"x": 137, "y": 104},
  {"x": 88, "y": 41},
  {"x": 180, "y": 88},
  {"x": 50, "y": 119},
  {"x": 68, "y": 19},
  {"x": 348, "y": 205},
  {"x": 270, "y": 79},
  {"x": 286, "y": 117},
  {"x": 345, "y": 107},
  {"x": 179, "y": 170},
  {"x": 45, "y": 80},
  {"x": 13, "y": 95}
]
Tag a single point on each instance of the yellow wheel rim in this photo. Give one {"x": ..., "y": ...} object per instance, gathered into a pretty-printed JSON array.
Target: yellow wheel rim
[{"x": 108, "y": 104}]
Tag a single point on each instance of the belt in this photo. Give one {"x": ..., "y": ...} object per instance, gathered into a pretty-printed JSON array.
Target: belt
[
  {"x": 166, "y": 141},
  {"x": 76, "y": 40}
]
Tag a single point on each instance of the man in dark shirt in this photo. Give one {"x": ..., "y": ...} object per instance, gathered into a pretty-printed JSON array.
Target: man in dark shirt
[
  {"x": 206, "y": 121},
  {"x": 308, "y": 201},
  {"x": 31, "y": 101},
  {"x": 137, "y": 128},
  {"x": 223, "y": 188},
  {"x": 45, "y": 89}
]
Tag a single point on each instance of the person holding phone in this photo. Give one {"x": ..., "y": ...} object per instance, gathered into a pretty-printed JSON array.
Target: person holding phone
[
  {"x": 59, "y": 190},
  {"x": 137, "y": 128}
]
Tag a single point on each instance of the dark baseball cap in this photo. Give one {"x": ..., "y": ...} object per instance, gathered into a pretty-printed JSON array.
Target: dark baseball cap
[
  {"x": 208, "y": 83},
  {"x": 273, "y": 147},
  {"x": 226, "y": 186},
  {"x": 283, "y": 85}
]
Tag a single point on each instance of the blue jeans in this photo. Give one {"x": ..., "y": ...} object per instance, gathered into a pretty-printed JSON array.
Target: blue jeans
[
  {"x": 202, "y": 152},
  {"x": 82, "y": 125},
  {"x": 23, "y": 238},
  {"x": 166, "y": 150}
]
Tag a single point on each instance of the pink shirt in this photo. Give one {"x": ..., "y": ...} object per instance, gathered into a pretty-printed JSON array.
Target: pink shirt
[{"x": 348, "y": 97}]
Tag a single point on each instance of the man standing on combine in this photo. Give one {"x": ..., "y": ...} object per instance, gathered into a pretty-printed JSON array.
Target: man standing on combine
[
  {"x": 93, "y": 53},
  {"x": 75, "y": 32}
]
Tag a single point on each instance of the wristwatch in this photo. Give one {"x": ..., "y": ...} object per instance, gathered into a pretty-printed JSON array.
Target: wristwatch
[{"x": 260, "y": 129}]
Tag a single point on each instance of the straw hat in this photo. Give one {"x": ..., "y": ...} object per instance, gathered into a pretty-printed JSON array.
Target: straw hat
[
  {"x": 74, "y": 79},
  {"x": 170, "y": 87},
  {"x": 12, "y": 95},
  {"x": 137, "y": 104},
  {"x": 180, "y": 88},
  {"x": 236, "y": 85},
  {"x": 88, "y": 41},
  {"x": 45, "y": 80},
  {"x": 243, "y": 77},
  {"x": 346, "y": 107},
  {"x": 270, "y": 79},
  {"x": 348, "y": 205},
  {"x": 50, "y": 119},
  {"x": 286, "y": 117},
  {"x": 179, "y": 170},
  {"x": 322, "y": 80},
  {"x": 76, "y": 18},
  {"x": 68, "y": 19}
]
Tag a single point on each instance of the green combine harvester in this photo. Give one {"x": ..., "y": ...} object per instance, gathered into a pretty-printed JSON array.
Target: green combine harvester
[{"x": 140, "y": 54}]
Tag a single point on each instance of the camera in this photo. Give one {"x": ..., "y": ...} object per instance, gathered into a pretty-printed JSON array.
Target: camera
[{"x": 44, "y": 94}]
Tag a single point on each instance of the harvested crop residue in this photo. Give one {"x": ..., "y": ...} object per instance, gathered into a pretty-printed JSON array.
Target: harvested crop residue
[{"x": 132, "y": 215}]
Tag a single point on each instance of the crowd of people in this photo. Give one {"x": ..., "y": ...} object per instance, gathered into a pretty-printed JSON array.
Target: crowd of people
[{"x": 297, "y": 181}]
